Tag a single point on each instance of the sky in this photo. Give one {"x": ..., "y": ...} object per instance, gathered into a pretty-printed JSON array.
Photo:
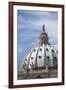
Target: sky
[{"x": 29, "y": 26}]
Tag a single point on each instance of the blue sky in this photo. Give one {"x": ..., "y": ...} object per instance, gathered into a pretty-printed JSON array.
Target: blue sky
[{"x": 29, "y": 26}]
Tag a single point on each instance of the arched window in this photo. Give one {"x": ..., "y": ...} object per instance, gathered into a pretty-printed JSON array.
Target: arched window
[
  {"x": 24, "y": 65},
  {"x": 55, "y": 62},
  {"x": 47, "y": 49},
  {"x": 47, "y": 57}
]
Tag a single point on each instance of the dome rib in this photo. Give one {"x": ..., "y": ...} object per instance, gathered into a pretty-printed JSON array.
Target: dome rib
[
  {"x": 36, "y": 57},
  {"x": 44, "y": 56},
  {"x": 29, "y": 59},
  {"x": 48, "y": 54},
  {"x": 32, "y": 61}
]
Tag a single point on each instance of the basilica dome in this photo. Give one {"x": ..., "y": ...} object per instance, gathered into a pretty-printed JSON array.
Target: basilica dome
[{"x": 41, "y": 56}]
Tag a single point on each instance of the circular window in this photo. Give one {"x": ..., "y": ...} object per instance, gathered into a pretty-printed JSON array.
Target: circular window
[
  {"x": 31, "y": 57},
  {"x": 40, "y": 49},
  {"x": 40, "y": 57}
]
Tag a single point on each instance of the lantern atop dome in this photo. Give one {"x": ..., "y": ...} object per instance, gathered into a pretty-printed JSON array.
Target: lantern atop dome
[{"x": 43, "y": 37}]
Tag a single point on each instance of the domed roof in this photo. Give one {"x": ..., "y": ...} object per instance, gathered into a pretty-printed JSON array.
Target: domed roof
[{"x": 42, "y": 55}]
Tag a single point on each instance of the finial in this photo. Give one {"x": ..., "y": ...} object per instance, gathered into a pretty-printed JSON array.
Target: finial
[{"x": 43, "y": 27}]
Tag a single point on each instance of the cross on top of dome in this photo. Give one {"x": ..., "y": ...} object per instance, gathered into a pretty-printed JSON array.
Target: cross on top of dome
[{"x": 43, "y": 27}]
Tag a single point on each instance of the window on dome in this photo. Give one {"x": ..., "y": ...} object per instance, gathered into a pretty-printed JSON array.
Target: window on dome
[
  {"x": 40, "y": 49},
  {"x": 25, "y": 59},
  {"x": 52, "y": 50},
  {"x": 48, "y": 57},
  {"x": 24, "y": 64},
  {"x": 31, "y": 57},
  {"x": 40, "y": 57},
  {"x": 47, "y": 49},
  {"x": 34, "y": 49}
]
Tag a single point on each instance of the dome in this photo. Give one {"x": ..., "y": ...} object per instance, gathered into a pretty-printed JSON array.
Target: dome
[
  {"x": 41, "y": 61},
  {"x": 42, "y": 56}
]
